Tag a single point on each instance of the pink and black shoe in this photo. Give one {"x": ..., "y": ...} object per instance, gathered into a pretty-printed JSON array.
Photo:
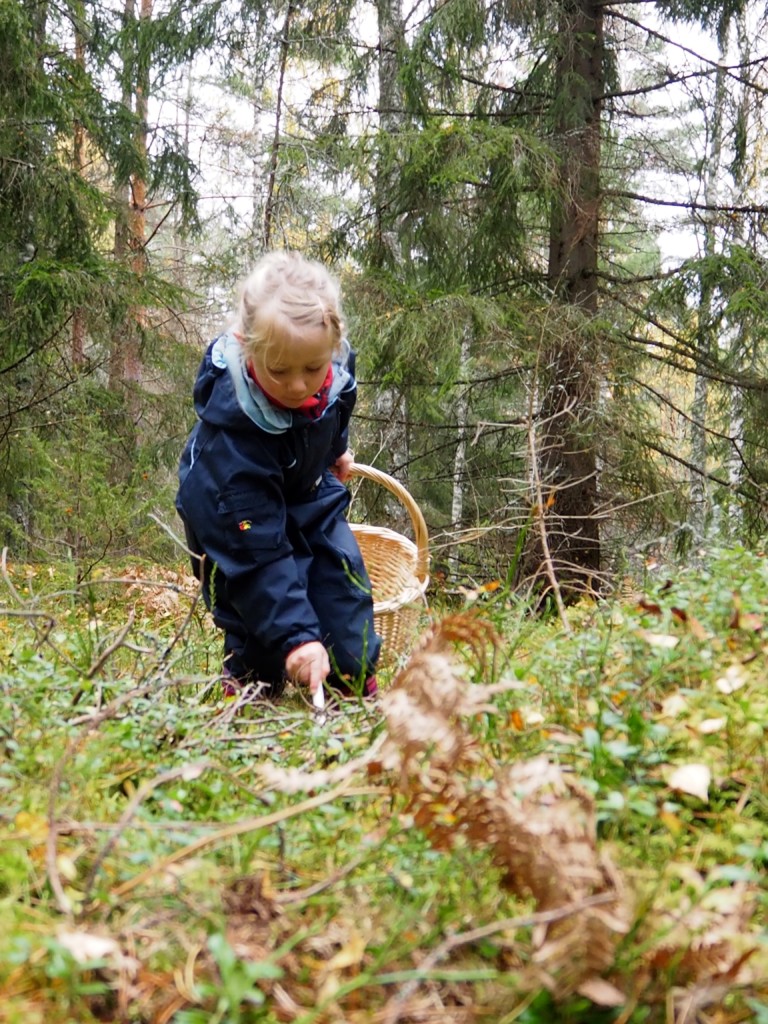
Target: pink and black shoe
[
  {"x": 232, "y": 687},
  {"x": 344, "y": 688}
]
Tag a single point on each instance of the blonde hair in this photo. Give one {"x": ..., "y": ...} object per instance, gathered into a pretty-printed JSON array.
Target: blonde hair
[{"x": 287, "y": 292}]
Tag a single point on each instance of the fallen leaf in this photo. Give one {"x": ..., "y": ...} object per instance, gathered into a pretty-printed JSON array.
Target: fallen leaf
[
  {"x": 349, "y": 955},
  {"x": 403, "y": 879},
  {"x": 697, "y": 629},
  {"x": 673, "y": 705},
  {"x": 31, "y": 826},
  {"x": 568, "y": 739},
  {"x": 693, "y": 779},
  {"x": 751, "y": 622},
  {"x": 671, "y": 821},
  {"x": 85, "y": 947},
  {"x": 663, "y": 640},
  {"x": 748, "y": 621},
  {"x": 533, "y": 718},
  {"x": 489, "y": 587},
  {"x": 601, "y": 992},
  {"x": 711, "y": 725},
  {"x": 330, "y": 986},
  {"x": 732, "y": 679},
  {"x": 67, "y": 867}
]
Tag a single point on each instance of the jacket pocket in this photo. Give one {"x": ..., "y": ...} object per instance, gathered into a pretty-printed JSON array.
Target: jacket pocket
[{"x": 249, "y": 524}]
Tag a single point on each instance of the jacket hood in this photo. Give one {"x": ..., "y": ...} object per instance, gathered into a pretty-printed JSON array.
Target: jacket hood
[{"x": 225, "y": 395}]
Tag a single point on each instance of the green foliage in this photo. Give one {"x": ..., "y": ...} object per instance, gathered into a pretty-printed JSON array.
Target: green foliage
[
  {"x": 237, "y": 989},
  {"x": 410, "y": 340},
  {"x": 76, "y": 473},
  {"x": 438, "y": 206},
  {"x": 171, "y": 846},
  {"x": 714, "y": 14}
]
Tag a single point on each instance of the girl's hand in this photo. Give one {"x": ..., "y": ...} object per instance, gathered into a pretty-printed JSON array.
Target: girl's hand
[
  {"x": 342, "y": 465},
  {"x": 308, "y": 664}
]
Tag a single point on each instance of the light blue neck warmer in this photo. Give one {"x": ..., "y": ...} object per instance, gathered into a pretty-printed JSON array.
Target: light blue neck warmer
[{"x": 227, "y": 353}]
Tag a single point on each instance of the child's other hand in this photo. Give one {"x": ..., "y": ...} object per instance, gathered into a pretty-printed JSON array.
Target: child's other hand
[
  {"x": 342, "y": 465},
  {"x": 308, "y": 664}
]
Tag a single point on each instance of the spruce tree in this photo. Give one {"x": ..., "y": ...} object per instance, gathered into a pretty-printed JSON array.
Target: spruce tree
[{"x": 63, "y": 292}]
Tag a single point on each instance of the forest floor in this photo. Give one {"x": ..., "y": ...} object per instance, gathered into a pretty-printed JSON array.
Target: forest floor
[{"x": 536, "y": 821}]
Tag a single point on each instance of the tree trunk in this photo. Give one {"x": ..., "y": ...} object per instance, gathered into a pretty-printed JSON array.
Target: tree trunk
[
  {"x": 130, "y": 227},
  {"x": 459, "y": 461},
  {"x": 184, "y": 106},
  {"x": 391, "y": 405},
  {"x": 270, "y": 199},
  {"x": 699, "y": 515},
  {"x": 137, "y": 207},
  {"x": 77, "y": 347},
  {"x": 257, "y": 170},
  {"x": 570, "y": 364},
  {"x": 747, "y": 176},
  {"x": 391, "y": 35}
]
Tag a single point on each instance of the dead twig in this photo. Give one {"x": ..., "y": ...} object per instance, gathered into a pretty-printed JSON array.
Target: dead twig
[
  {"x": 396, "y": 1006},
  {"x": 540, "y": 519},
  {"x": 51, "y": 852},
  {"x": 24, "y": 611},
  {"x": 144, "y": 790},
  {"x": 180, "y": 631},
  {"x": 6, "y": 576},
  {"x": 298, "y": 895},
  {"x": 116, "y": 705},
  {"x": 177, "y": 540},
  {"x": 107, "y": 653},
  {"x": 241, "y": 828}
]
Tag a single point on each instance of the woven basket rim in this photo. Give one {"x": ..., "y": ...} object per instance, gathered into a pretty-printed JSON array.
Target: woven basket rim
[
  {"x": 408, "y": 596},
  {"x": 421, "y": 536},
  {"x": 395, "y": 551},
  {"x": 413, "y": 590},
  {"x": 387, "y": 533}
]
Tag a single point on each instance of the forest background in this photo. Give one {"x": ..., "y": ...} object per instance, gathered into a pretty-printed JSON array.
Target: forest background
[{"x": 549, "y": 223}]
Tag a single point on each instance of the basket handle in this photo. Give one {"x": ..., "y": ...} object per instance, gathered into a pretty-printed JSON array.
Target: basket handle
[{"x": 420, "y": 534}]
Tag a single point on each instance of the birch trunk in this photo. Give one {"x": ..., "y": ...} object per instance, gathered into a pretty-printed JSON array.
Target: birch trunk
[
  {"x": 460, "y": 458},
  {"x": 257, "y": 172},
  {"x": 390, "y": 406},
  {"x": 747, "y": 179},
  {"x": 699, "y": 516}
]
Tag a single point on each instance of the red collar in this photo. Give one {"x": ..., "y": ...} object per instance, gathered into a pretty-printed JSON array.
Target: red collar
[{"x": 314, "y": 406}]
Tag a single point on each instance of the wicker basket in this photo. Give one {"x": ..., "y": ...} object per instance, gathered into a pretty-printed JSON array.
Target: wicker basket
[{"x": 398, "y": 569}]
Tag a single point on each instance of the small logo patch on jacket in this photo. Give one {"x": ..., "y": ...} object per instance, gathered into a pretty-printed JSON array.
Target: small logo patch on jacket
[{"x": 244, "y": 524}]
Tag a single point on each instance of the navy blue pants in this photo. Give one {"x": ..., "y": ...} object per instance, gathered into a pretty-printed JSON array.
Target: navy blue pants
[{"x": 330, "y": 566}]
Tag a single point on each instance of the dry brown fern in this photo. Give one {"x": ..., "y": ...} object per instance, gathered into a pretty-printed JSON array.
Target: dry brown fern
[{"x": 538, "y": 825}]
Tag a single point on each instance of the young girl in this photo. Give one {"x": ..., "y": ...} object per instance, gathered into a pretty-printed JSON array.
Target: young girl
[{"x": 261, "y": 487}]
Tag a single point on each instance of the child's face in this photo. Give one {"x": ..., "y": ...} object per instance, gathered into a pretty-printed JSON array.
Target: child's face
[{"x": 293, "y": 367}]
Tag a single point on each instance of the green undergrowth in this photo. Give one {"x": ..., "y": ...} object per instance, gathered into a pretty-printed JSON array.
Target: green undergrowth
[{"x": 151, "y": 872}]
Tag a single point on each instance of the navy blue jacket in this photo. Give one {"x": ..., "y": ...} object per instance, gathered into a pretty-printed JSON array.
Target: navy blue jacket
[{"x": 253, "y": 482}]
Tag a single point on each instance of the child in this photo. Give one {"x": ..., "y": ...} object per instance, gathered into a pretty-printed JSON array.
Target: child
[{"x": 261, "y": 487}]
